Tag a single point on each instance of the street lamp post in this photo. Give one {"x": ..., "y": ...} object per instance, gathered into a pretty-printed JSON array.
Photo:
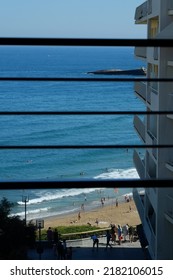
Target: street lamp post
[
  {"x": 39, "y": 226},
  {"x": 25, "y": 199}
]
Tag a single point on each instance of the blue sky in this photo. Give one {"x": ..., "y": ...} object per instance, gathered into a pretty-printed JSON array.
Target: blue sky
[{"x": 70, "y": 18}]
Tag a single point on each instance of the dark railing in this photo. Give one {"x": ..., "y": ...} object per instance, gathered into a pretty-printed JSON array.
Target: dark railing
[{"x": 83, "y": 42}]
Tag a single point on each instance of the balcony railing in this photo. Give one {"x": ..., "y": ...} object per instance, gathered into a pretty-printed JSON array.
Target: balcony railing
[
  {"x": 141, "y": 11},
  {"x": 139, "y": 163},
  {"x": 150, "y": 7},
  {"x": 138, "y": 198},
  {"x": 82, "y": 183},
  {"x": 140, "y": 89},
  {"x": 141, "y": 52},
  {"x": 140, "y": 127}
]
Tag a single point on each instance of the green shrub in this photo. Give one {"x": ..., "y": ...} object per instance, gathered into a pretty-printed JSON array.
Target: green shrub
[{"x": 75, "y": 231}]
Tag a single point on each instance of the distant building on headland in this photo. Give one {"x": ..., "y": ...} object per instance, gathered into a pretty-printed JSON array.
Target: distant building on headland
[{"x": 155, "y": 206}]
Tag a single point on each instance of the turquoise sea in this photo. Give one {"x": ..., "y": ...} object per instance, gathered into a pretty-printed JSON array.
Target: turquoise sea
[{"x": 65, "y": 129}]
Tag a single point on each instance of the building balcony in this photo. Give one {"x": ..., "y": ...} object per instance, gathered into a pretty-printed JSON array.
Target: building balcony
[
  {"x": 170, "y": 7},
  {"x": 153, "y": 99},
  {"x": 140, "y": 127},
  {"x": 150, "y": 237},
  {"x": 169, "y": 209},
  {"x": 152, "y": 54},
  {"x": 139, "y": 164},
  {"x": 151, "y": 173},
  {"x": 140, "y": 89},
  {"x": 169, "y": 106},
  {"x": 152, "y": 195},
  {"x": 151, "y": 140},
  {"x": 149, "y": 6},
  {"x": 141, "y": 13},
  {"x": 141, "y": 52},
  {"x": 139, "y": 201},
  {"x": 138, "y": 198},
  {"x": 155, "y": 85}
]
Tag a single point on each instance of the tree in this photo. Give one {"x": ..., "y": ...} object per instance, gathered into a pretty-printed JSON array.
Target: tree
[
  {"x": 5, "y": 209},
  {"x": 14, "y": 235}
]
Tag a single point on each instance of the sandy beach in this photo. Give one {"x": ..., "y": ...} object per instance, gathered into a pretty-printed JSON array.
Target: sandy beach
[{"x": 126, "y": 212}]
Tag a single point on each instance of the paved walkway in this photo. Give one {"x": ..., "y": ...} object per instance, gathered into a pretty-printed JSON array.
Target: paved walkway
[{"x": 82, "y": 250}]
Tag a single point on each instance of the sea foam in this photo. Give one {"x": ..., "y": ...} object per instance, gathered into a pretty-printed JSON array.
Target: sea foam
[{"x": 130, "y": 173}]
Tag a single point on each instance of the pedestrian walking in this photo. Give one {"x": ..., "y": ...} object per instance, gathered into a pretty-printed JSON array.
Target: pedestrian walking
[
  {"x": 108, "y": 239},
  {"x": 95, "y": 241}
]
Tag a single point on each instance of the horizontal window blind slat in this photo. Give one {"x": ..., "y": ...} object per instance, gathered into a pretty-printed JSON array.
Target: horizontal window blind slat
[{"x": 85, "y": 42}]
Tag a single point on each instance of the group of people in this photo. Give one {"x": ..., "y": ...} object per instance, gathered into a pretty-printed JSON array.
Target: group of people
[
  {"x": 52, "y": 236},
  {"x": 59, "y": 246},
  {"x": 117, "y": 231},
  {"x": 115, "y": 234},
  {"x": 122, "y": 233}
]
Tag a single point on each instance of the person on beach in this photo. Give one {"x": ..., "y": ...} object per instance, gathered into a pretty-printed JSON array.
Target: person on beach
[
  {"x": 131, "y": 234},
  {"x": 108, "y": 239},
  {"x": 102, "y": 202},
  {"x": 125, "y": 231},
  {"x": 113, "y": 233},
  {"x": 119, "y": 234},
  {"x": 116, "y": 203},
  {"x": 95, "y": 241},
  {"x": 79, "y": 216},
  {"x": 82, "y": 207}
]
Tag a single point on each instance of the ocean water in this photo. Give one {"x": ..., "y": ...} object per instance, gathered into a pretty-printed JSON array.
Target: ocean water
[{"x": 65, "y": 129}]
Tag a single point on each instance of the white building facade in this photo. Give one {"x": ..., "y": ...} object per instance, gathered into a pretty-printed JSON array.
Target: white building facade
[{"x": 156, "y": 207}]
